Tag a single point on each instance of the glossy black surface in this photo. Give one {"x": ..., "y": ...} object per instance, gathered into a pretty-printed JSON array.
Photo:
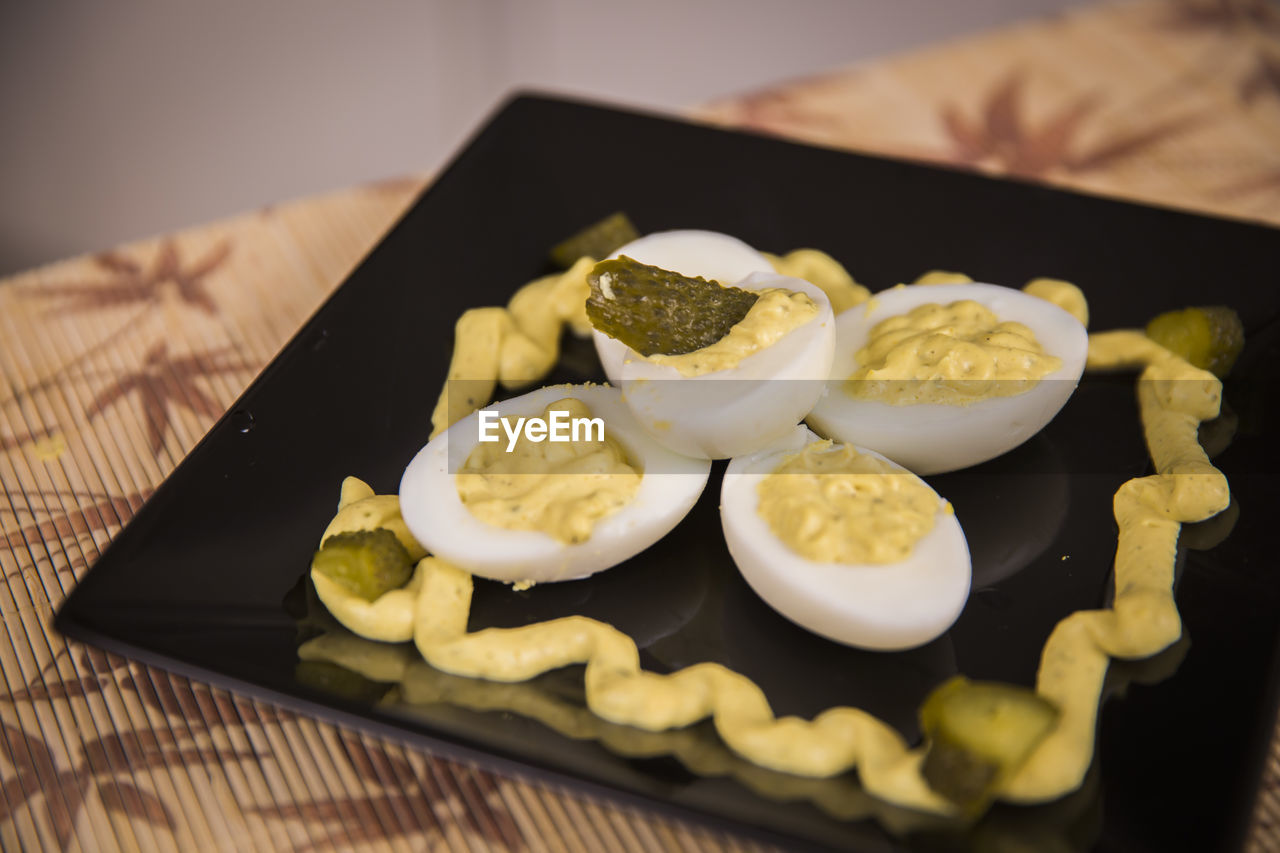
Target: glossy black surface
[{"x": 209, "y": 578}]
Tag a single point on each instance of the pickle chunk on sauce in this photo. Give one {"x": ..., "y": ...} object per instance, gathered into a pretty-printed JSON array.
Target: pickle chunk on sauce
[
  {"x": 656, "y": 311},
  {"x": 367, "y": 562},
  {"x": 1209, "y": 337},
  {"x": 598, "y": 240},
  {"x": 979, "y": 733}
]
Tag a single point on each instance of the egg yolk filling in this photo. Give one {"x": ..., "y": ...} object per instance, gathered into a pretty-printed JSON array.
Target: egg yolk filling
[
  {"x": 777, "y": 312},
  {"x": 953, "y": 354},
  {"x": 560, "y": 488},
  {"x": 831, "y": 504}
]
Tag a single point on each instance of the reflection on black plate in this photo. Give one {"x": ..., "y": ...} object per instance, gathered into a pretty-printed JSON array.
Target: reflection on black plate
[{"x": 198, "y": 581}]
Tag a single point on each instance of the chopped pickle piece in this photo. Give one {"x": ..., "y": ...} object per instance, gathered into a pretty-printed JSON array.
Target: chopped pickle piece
[
  {"x": 654, "y": 311},
  {"x": 1210, "y": 337},
  {"x": 598, "y": 240},
  {"x": 338, "y": 681},
  {"x": 367, "y": 562},
  {"x": 979, "y": 733}
]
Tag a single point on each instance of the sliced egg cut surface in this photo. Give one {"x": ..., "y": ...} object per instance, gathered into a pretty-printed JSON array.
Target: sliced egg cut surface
[
  {"x": 739, "y": 409},
  {"x": 932, "y": 438},
  {"x": 888, "y": 606},
  {"x": 437, "y": 517}
]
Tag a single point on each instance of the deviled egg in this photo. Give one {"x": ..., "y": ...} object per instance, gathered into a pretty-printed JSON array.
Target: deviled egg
[
  {"x": 845, "y": 543},
  {"x": 498, "y": 495},
  {"x": 906, "y": 383},
  {"x": 744, "y": 391}
]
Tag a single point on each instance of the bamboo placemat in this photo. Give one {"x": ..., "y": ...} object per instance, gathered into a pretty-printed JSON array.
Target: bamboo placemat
[{"x": 115, "y": 364}]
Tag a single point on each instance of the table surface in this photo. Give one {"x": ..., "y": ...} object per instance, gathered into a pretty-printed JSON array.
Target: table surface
[{"x": 116, "y": 364}]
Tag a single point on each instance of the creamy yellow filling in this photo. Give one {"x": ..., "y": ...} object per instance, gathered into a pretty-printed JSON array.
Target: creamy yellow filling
[
  {"x": 953, "y": 354},
  {"x": 516, "y": 345},
  {"x": 835, "y": 505},
  {"x": 820, "y": 269},
  {"x": 777, "y": 312},
  {"x": 561, "y": 488},
  {"x": 1173, "y": 397},
  {"x": 433, "y": 608}
]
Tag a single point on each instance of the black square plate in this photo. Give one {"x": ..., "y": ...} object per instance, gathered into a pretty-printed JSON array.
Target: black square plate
[{"x": 209, "y": 579}]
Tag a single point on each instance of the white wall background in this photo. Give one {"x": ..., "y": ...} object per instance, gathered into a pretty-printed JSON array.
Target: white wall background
[{"x": 128, "y": 118}]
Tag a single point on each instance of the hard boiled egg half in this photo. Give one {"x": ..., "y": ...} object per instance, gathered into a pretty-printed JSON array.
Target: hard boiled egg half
[
  {"x": 932, "y": 438},
  {"x": 741, "y": 408},
  {"x": 884, "y": 606},
  {"x": 437, "y": 517}
]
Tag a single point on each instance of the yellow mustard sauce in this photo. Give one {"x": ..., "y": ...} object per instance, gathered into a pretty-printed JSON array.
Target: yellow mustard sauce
[
  {"x": 516, "y": 345},
  {"x": 1064, "y": 294},
  {"x": 389, "y": 617},
  {"x": 1142, "y": 621},
  {"x": 519, "y": 344},
  {"x": 696, "y": 747},
  {"x": 433, "y": 608},
  {"x": 619, "y": 691},
  {"x": 775, "y": 313},
  {"x": 828, "y": 274},
  {"x": 1173, "y": 398},
  {"x": 559, "y": 488},
  {"x": 835, "y": 505},
  {"x": 942, "y": 277},
  {"x": 953, "y": 354}
]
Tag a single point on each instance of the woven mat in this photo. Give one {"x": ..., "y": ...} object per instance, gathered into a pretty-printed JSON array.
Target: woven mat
[{"x": 114, "y": 365}]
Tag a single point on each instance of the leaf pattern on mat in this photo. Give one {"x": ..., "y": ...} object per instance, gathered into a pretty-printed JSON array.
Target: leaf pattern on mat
[
  {"x": 63, "y": 793},
  {"x": 781, "y": 111},
  {"x": 407, "y": 804},
  {"x": 1229, "y": 16},
  {"x": 130, "y": 282},
  {"x": 1262, "y": 187},
  {"x": 56, "y": 542},
  {"x": 101, "y": 516},
  {"x": 163, "y": 380},
  {"x": 192, "y": 700},
  {"x": 12, "y": 442},
  {"x": 1003, "y": 138},
  {"x": 486, "y": 816},
  {"x": 109, "y": 763},
  {"x": 1263, "y": 81}
]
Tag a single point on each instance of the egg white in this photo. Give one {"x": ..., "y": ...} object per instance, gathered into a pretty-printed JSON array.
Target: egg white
[
  {"x": 438, "y": 519},
  {"x": 885, "y": 607},
  {"x": 740, "y": 409},
  {"x": 931, "y": 438}
]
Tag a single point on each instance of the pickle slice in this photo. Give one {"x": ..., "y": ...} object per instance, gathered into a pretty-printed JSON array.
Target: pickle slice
[
  {"x": 980, "y": 733},
  {"x": 598, "y": 240},
  {"x": 654, "y": 311},
  {"x": 366, "y": 562},
  {"x": 1209, "y": 337},
  {"x": 339, "y": 681}
]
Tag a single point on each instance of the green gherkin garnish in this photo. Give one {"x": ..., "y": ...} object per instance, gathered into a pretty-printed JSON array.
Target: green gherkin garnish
[
  {"x": 979, "y": 734},
  {"x": 653, "y": 310},
  {"x": 1210, "y": 337},
  {"x": 598, "y": 240},
  {"x": 367, "y": 562},
  {"x": 338, "y": 681}
]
